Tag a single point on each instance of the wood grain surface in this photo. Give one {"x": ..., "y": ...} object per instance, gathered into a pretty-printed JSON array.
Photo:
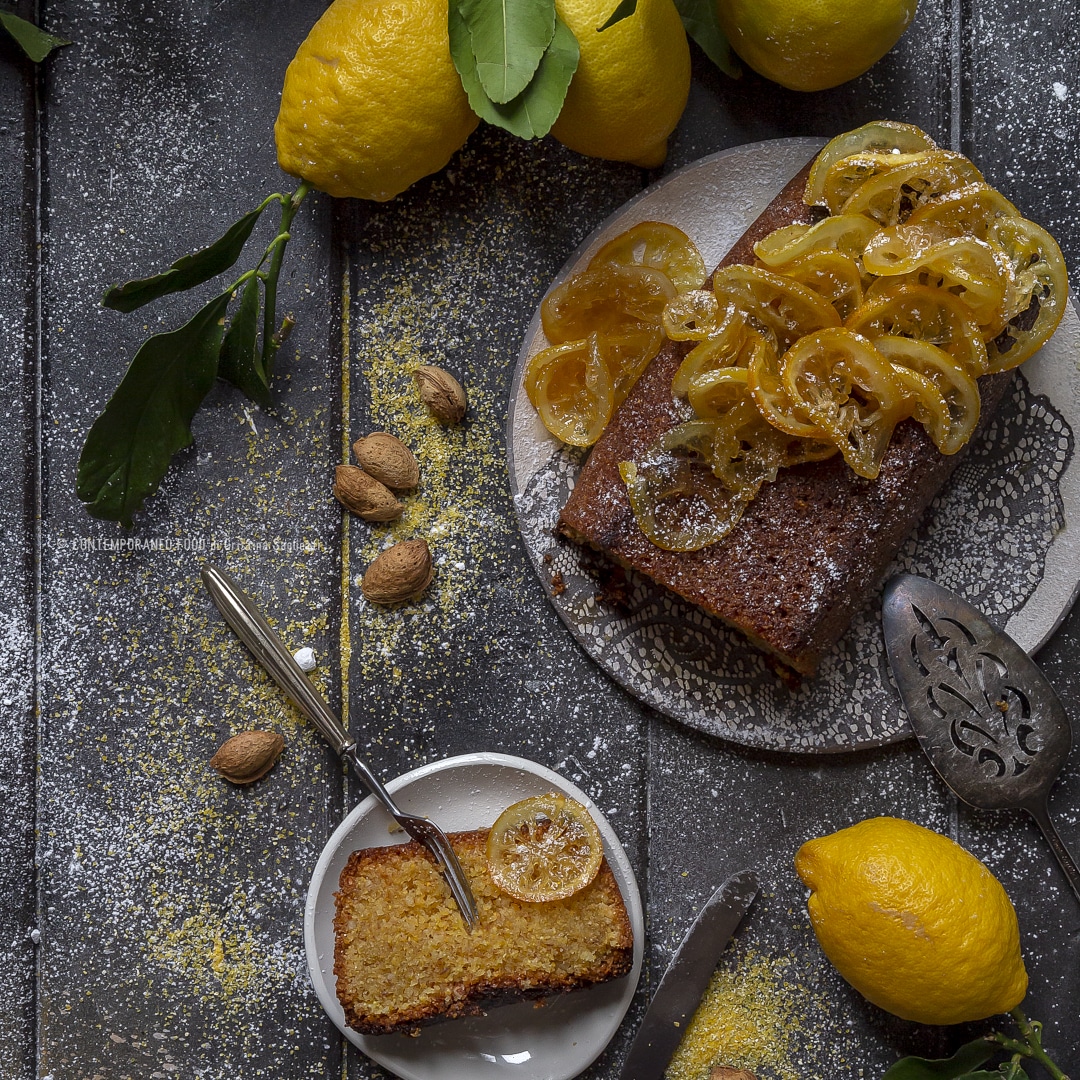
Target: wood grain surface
[{"x": 154, "y": 926}]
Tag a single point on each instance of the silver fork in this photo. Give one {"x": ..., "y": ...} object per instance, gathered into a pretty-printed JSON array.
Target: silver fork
[{"x": 245, "y": 618}]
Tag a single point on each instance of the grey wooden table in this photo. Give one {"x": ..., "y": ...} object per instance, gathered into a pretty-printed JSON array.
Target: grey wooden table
[{"x": 151, "y": 923}]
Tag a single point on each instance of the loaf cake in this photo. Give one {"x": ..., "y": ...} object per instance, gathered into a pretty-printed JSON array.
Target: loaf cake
[
  {"x": 403, "y": 957},
  {"x": 796, "y": 567}
]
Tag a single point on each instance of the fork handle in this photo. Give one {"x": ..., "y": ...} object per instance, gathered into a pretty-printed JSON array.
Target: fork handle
[
  {"x": 1064, "y": 857},
  {"x": 251, "y": 627}
]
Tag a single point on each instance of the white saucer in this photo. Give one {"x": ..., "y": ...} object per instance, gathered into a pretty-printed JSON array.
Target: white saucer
[{"x": 555, "y": 1042}]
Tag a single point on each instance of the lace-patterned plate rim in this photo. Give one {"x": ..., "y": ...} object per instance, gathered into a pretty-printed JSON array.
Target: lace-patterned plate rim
[{"x": 852, "y": 704}]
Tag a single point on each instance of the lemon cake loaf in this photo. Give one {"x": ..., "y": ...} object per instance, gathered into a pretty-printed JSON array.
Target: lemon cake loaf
[
  {"x": 403, "y": 957},
  {"x": 796, "y": 568}
]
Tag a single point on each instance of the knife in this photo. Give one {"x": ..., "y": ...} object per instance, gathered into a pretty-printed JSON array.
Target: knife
[{"x": 686, "y": 978}]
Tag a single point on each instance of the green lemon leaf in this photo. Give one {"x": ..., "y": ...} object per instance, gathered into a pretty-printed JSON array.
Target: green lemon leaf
[
  {"x": 625, "y": 9},
  {"x": 509, "y": 38},
  {"x": 148, "y": 418},
  {"x": 531, "y": 114},
  {"x": 700, "y": 21},
  {"x": 188, "y": 271},
  {"x": 241, "y": 361},
  {"x": 969, "y": 1057},
  {"x": 34, "y": 42}
]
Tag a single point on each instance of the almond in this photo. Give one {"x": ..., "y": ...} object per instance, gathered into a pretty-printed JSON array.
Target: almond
[
  {"x": 387, "y": 459},
  {"x": 441, "y": 393},
  {"x": 246, "y": 757},
  {"x": 361, "y": 493},
  {"x": 400, "y": 573}
]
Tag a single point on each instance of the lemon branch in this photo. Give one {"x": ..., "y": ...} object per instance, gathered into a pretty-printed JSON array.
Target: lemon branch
[
  {"x": 1031, "y": 1047},
  {"x": 273, "y": 337},
  {"x": 148, "y": 418}
]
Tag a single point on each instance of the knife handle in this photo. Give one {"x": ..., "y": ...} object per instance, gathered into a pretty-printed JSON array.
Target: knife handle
[{"x": 251, "y": 627}]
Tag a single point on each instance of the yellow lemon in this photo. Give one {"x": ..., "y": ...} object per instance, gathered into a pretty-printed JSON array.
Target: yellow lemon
[
  {"x": 813, "y": 44},
  {"x": 916, "y": 924},
  {"x": 631, "y": 84},
  {"x": 372, "y": 101}
]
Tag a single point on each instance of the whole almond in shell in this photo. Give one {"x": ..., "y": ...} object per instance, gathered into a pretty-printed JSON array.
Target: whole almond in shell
[
  {"x": 400, "y": 573},
  {"x": 387, "y": 459},
  {"x": 361, "y": 493},
  {"x": 247, "y": 757},
  {"x": 441, "y": 393}
]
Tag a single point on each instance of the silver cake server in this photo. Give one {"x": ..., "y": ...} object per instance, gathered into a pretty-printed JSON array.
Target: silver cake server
[
  {"x": 250, "y": 626},
  {"x": 988, "y": 719}
]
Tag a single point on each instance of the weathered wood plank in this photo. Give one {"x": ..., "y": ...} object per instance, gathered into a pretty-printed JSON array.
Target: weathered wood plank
[
  {"x": 450, "y": 274},
  {"x": 171, "y": 902},
  {"x": 1020, "y": 93},
  {"x": 18, "y": 486}
]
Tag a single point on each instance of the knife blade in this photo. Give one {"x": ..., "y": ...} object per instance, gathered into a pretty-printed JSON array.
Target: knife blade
[{"x": 686, "y": 978}]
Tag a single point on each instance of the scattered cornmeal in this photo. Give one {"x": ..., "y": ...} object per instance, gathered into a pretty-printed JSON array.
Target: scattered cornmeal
[{"x": 747, "y": 1019}]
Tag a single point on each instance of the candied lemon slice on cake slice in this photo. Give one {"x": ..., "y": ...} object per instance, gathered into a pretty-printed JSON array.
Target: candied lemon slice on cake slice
[{"x": 546, "y": 847}]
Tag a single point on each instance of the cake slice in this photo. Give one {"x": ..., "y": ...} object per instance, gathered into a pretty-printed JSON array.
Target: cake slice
[
  {"x": 403, "y": 957},
  {"x": 796, "y": 567}
]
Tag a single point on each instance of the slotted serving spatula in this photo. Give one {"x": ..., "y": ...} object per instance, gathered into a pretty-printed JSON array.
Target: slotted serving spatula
[{"x": 986, "y": 716}]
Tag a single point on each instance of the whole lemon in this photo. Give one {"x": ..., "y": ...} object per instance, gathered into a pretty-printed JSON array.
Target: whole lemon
[
  {"x": 631, "y": 84},
  {"x": 372, "y": 101},
  {"x": 813, "y": 44},
  {"x": 916, "y": 924}
]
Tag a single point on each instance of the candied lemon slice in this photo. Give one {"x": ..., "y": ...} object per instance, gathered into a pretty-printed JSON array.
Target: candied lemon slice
[
  {"x": 919, "y": 311},
  {"x": 571, "y": 388},
  {"x": 849, "y": 174},
  {"x": 694, "y": 315},
  {"x": 958, "y": 391},
  {"x": 830, "y": 274},
  {"x": 888, "y": 136},
  {"x": 764, "y": 383},
  {"x": 659, "y": 245},
  {"x": 972, "y": 269},
  {"x": 609, "y": 299},
  {"x": 544, "y": 848},
  {"x": 967, "y": 211},
  {"x": 926, "y": 403},
  {"x": 728, "y": 346},
  {"x": 680, "y": 504},
  {"x": 713, "y": 393},
  {"x": 747, "y": 451},
  {"x": 1040, "y": 290},
  {"x": 783, "y": 309},
  {"x": 626, "y": 356},
  {"x": 890, "y": 196},
  {"x": 846, "y": 233},
  {"x": 847, "y": 388}
]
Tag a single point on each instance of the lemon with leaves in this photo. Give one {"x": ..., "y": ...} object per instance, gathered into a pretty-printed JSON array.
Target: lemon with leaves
[
  {"x": 914, "y": 922},
  {"x": 813, "y": 44},
  {"x": 371, "y": 101},
  {"x": 631, "y": 83}
]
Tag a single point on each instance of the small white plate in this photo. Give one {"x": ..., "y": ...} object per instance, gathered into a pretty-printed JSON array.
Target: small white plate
[{"x": 555, "y": 1042}]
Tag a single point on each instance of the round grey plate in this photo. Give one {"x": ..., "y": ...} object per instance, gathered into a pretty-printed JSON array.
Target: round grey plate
[{"x": 1003, "y": 534}]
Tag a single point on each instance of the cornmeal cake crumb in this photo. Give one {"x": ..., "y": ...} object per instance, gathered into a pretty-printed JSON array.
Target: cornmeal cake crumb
[{"x": 403, "y": 957}]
